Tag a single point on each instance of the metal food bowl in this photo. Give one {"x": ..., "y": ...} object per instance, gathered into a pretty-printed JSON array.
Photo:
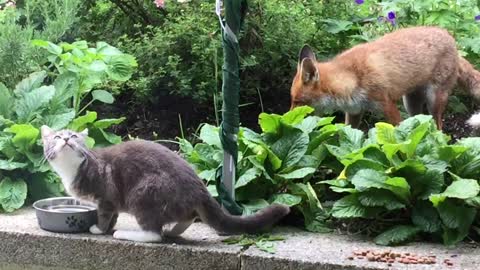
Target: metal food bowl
[{"x": 65, "y": 215}]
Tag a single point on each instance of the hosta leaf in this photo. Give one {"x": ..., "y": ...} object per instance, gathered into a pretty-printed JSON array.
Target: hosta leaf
[
  {"x": 33, "y": 81},
  {"x": 298, "y": 174},
  {"x": 380, "y": 198},
  {"x": 209, "y": 134},
  {"x": 121, "y": 67},
  {"x": 103, "y": 96},
  {"x": 385, "y": 133},
  {"x": 269, "y": 122},
  {"x": 396, "y": 235},
  {"x": 253, "y": 206},
  {"x": 286, "y": 199},
  {"x": 8, "y": 165},
  {"x": 248, "y": 176},
  {"x": 25, "y": 135},
  {"x": 350, "y": 207},
  {"x": 106, "y": 123},
  {"x": 291, "y": 147},
  {"x": 296, "y": 115},
  {"x": 426, "y": 217},
  {"x": 31, "y": 103},
  {"x": 12, "y": 194},
  {"x": 81, "y": 122},
  {"x": 460, "y": 189},
  {"x": 59, "y": 121}
]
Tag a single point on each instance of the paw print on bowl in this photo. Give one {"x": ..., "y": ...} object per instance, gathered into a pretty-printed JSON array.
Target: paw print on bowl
[{"x": 71, "y": 221}]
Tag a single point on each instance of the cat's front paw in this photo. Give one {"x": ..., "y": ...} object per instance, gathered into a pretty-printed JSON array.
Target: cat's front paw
[{"x": 95, "y": 230}]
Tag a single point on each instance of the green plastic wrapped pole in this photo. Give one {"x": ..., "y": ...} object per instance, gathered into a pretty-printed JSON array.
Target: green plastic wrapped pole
[{"x": 234, "y": 13}]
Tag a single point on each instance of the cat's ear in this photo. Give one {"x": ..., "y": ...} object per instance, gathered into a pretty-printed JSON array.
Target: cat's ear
[
  {"x": 46, "y": 131},
  {"x": 84, "y": 132}
]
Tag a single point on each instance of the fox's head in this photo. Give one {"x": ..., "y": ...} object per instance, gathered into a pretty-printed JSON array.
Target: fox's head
[{"x": 306, "y": 79}]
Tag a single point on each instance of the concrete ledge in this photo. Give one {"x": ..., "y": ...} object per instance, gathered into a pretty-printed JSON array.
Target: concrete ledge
[{"x": 23, "y": 245}]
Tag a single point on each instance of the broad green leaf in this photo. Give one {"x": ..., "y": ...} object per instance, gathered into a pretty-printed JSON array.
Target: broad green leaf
[
  {"x": 291, "y": 147},
  {"x": 460, "y": 189},
  {"x": 320, "y": 136},
  {"x": 306, "y": 190},
  {"x": 286, "y": 199},
  {"x": 248, "y": 176},
  {"x": 208, "y": 175},
  {"x": 396, "y": 235},
  {"x": 475, "y": 202},
  {"x": 380, "y": 198},
  {"x": 33, "y": 81},
  {"x": 59, "y": 121},
  {"x": 121, "y": 67},
  {"x": 349, "y": 207},
  {"x": 209, "y": 134},
  {"x": 296, "y": 115},
  {"x": 385, "y": 133},
  {"x": 308, "y": 124},
  {"x": 12, "y": 194},
  {"x": 25, "y": 135},
  {"x": 298, "y": 174},
  {"x": 450, "y": 152},
  {"x": 269, "y": 122},
  {"x": 453, "y": 216},
  {"x": 361, "y": 164},
  {"x": 5, "y": 102},
  {"x": 103, "y": 96},
  {"x": 415, "y": 137},
  {"x": 368, "y": 178},
  {"x": 253, "y": 206},
  {"x": 97, "y": 66},
  {"x": 212, "y": 189},
  {"x": 31, "y": 102},
  {"x": 81, "y": 122},
  {"x": 66, "y": 85},
  {"x": 333, "y": 26},
  {"x": 425, "y": 217},
  {"x": 106, "y": 123},
  {"x": 8, "y": 165},
  {"x": 350, "y": 139}
]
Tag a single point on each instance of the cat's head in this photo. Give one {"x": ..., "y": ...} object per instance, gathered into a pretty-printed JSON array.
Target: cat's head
[{"x": 64, "y": 143}]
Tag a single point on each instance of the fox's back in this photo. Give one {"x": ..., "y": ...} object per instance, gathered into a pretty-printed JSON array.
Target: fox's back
[{"x": 405, "y": 58}]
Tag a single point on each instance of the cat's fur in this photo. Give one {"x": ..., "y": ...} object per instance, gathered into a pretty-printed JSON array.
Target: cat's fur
[{"x": 146, "y": 180}]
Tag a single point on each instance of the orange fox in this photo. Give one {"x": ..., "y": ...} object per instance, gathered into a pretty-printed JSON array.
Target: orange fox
[{"x": 419, "y": 64}]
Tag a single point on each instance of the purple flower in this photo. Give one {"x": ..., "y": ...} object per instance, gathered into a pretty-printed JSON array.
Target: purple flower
[
  {"x": 477, "y": 18},
  {"x": 391, "y": 17},
  {"x": 359, "y": 2}
]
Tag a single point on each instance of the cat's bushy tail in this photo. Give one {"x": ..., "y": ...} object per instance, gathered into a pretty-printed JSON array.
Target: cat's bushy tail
[{"x": 212, "y": 214}]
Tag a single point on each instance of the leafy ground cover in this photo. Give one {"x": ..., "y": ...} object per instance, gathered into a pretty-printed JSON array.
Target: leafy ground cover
[{"x": 403, "y": 182}]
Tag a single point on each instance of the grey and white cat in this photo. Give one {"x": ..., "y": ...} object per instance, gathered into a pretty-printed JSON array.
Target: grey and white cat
[{"x": 146, "y": 180}]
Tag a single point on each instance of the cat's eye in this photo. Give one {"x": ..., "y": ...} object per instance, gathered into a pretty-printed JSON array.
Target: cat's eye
[
  {"x": 56, "y": 137},
  {"x": 74, "y": 136}
]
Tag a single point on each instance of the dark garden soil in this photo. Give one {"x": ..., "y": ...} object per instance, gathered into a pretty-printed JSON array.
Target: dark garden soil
[{"x": 162, "y": 121}]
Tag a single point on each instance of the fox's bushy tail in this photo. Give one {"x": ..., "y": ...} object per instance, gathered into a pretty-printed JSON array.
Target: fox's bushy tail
[{"x": 469, "y": 81}]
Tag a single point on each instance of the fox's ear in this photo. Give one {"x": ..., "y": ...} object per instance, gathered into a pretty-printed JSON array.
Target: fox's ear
[
  {"x": 309, "y": 71},
  {"x": 306, "y": 53}
]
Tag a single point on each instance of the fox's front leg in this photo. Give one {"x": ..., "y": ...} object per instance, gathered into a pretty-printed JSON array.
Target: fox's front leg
[
  {"x": 391, "y": 112},
  {"x": 106, "y": 218},
  {"x": 353, "y": 119}
]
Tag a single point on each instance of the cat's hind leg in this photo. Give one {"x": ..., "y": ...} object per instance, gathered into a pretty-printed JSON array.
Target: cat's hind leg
[
  {"x": 151, "y": 229},
  {"x": 178, "y": 228}
]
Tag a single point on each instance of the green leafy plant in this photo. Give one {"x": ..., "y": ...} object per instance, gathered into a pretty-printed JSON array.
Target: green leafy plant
[
  {"x": 24, "y": 173},
  {"x": 409, "y": 172},
  {"x": 263, "y": 242},
  {"x": 84, "y": 68},
  {"x": 273, "y": 167},
  {"x": 28, "y": 20},
  {"x": 405, "y": 181}
]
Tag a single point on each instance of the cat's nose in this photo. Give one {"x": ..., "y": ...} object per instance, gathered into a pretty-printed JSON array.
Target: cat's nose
[{"x": 66, "y": 139}]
